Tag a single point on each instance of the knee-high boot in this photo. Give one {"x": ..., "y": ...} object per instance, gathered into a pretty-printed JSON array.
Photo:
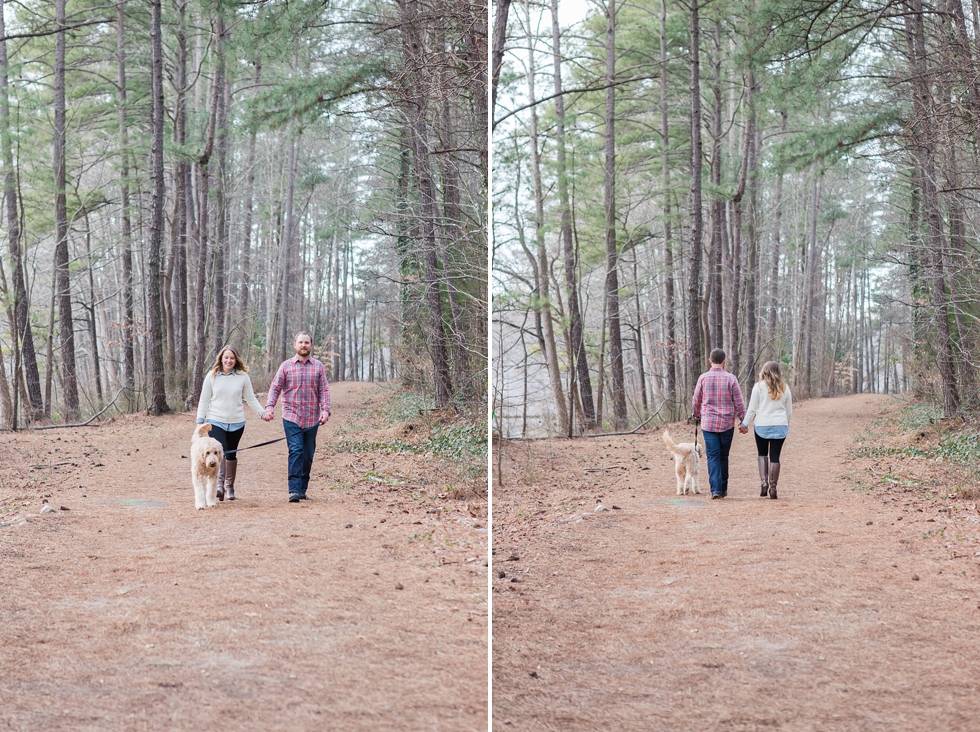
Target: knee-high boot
[
  {"x": 764, "y": 475},
  {"x": 773, "y": 479},
  {"x": 221, "y": 480},
  {"x": 230, "y": 474}
]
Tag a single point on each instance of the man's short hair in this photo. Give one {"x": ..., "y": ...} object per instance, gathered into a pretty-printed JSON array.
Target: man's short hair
[
  {"x": 302, "y": 333},
  {"x": 717, "y": 356}
]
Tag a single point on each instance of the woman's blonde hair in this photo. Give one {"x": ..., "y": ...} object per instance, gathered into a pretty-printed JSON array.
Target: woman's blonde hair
[
  {"x": 239, "y": 364},
  {"x": 773, "y": 378}
]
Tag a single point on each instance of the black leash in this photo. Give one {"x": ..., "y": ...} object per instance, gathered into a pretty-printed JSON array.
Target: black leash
[
  {"x": 270, "y": 442},
  {"x": 261, "y": 444}
]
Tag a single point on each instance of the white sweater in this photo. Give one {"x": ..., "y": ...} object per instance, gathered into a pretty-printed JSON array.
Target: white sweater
[
  {"x": 222, "y": 397},
  {"x": 766, "y": 410}
]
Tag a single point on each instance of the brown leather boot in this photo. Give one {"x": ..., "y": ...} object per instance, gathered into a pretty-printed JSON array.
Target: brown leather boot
[
  {"x": 773, "y": 479},
  {"x": 230, "y": 474},
  {"x": 764, "y": 474},
  {"x": 221, "y": 480}
]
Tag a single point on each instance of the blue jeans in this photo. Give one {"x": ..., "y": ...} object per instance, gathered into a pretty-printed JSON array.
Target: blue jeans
[
  {"x": 717, "y": 445},
  {"x": 302, "y": 445}
]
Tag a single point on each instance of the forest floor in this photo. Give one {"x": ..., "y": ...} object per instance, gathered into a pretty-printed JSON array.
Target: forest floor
[
  {"x": 363, "y": 608},
  {"x": 850, "y": 603}
]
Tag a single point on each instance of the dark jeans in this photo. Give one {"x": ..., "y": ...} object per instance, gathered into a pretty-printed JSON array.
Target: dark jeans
[
  {"x": 302, "y": 445},
  {"x": 717, "y": 445},
  {"x": 772, "y": 448},
  {"x": 228, "y": 440}
]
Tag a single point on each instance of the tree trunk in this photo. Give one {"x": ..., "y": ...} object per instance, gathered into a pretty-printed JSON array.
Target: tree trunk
[
  {"x": 245, "y": 295},
  {"x": 774, "y": 329},
  {"x": 671, "y": 324},
  {"x": 576, "y": 337},
  {"x": 217, "y": 85},
  {"x": 612, "y": 251},
  {"x": 154, "y": 255},
  {"x": 416, "y": 113},
  {"x": 695, "y": 354},
  {"x": 22, "y": 334},
  {"x": 543, "y": 268},
  {"x": 179, "y": 231},
  {"x": 221, "y": 244},
  {"x": 69, "y": 375},
  {"x": 287, "y": 245},
  {"x": 925, "y": 158},
  {"x": 735, "y": 309},
  {"x": 129, "y": 315},
  {"x": 92, "y": 330},
  {"x": 499, "y": 43},
  {"x": 754, "y": 267},
  {"x": 714, "y": 290}
]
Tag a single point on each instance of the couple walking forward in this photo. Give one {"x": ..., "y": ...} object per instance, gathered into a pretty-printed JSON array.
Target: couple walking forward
[
  {"x": 302, "y": 383},
  {"x": 718, "y": 401}
]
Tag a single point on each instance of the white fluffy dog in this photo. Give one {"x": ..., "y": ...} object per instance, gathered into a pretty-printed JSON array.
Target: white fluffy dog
[
  {"x": 206, "y": 457},
  {"x": 687, "y": 464}
]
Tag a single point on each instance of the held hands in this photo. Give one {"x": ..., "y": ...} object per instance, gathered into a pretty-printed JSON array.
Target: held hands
[
  {"x": 268, "y": 415},
  {"x": 742, "y": 429}
]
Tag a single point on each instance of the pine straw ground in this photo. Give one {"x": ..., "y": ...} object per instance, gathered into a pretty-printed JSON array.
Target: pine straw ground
[
  {"x": 850, "y": 603},
  {"x": 363, "y": 608}
]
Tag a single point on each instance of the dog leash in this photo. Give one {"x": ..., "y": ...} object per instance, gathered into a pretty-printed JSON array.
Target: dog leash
[{"x": 263, "y": 444}]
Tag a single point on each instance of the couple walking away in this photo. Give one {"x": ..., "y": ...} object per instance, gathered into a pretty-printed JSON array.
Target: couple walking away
[
  {"x": 718, "y": 402},
  {"x": 302, "y": 383}
]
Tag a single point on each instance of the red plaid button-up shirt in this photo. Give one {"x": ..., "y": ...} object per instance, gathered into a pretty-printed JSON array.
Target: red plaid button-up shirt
[
  {"x": 305, "y": 391},
  {"x": 718, "y": 400}
]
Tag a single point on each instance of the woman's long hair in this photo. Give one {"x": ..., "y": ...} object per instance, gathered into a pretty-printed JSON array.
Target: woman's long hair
[
  {"x": 773, "y": 379},
  {"x": 239, "y": 364}
]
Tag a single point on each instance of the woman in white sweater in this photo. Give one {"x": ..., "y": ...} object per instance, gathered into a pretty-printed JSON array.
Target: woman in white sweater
[
  {"x": 225, "y": 389},
  {"x": 771, "y": 404}
]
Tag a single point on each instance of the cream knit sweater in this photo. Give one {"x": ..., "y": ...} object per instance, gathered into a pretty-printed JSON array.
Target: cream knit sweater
[
  {"x": 766, "y": 410},
  {"x": 222, "y": 397}
]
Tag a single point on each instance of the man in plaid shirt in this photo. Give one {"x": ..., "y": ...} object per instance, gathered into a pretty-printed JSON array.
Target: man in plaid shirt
[
  {"x": 302, "y": 381},
  {"x": 718, "y": 405}
]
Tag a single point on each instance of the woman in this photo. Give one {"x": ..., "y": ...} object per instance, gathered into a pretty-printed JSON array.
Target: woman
[
  {"x": 771, "y": 404},
  {"x": 226, "y": 387}
]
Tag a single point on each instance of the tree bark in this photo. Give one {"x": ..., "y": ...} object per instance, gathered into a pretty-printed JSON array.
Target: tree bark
[
  {"x": 244, "y": 295},
  {"x": 925, "y": 158},
  {"x": 69, "y": 374},
  {"x": 714, "y": 290},
  {"x": 575, "y": 330},
  {"x": 499, "y": 42},
  {"x": 126, "y": 243},
  {"x": 179, "y": 232},
  {"x": 203, "y": 223},
  {"x": 671, "y": 324},
  {"x": 418, "y": 127},
  {"x": 695, "y": 354},
  {"x": 543, "y": 268},
  {"x": 612, "y": 250},
  {"x": 154, "y": 255},
  {"x": 22, "y": 334}
]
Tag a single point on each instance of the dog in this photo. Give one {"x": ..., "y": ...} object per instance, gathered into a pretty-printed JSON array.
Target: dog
[
  {"x": 687, "y": 464},
  {"x": 206, "y": 457}
]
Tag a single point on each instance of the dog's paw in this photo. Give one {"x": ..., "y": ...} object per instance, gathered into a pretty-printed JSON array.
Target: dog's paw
[{"x": 198, "y": 506}]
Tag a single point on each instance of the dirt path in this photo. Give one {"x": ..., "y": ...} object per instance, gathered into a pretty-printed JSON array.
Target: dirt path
[
  {"x": 829, "y": 609},
  {"x": 363, "y": 608}
]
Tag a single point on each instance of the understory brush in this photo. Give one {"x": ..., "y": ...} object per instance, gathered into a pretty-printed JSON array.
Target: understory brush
[{"x": 400, "y": 421}]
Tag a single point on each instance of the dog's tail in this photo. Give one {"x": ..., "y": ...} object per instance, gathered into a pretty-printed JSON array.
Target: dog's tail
[
  {"x": 671, "y": 445},
  {"x": 202, "y": 430}
]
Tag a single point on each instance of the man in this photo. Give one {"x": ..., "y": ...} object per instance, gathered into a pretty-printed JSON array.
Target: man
[
  {"x": 718, "y": 404},
  {"x": 302, "y": 381}
]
